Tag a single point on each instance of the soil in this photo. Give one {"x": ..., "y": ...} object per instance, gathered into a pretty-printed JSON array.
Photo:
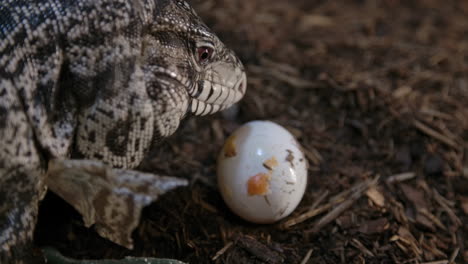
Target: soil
[{"x": 376, "y": 92}]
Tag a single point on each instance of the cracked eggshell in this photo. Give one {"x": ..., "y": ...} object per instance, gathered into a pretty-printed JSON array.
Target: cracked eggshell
[{"x": 262, "y": 172}]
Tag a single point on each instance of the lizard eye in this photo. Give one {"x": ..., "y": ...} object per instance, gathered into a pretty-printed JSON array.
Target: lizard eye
[{"x": 204, "y": 53}]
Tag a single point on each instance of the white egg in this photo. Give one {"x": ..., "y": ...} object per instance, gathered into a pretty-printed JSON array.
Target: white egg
[{"x": 262, "y": 172}]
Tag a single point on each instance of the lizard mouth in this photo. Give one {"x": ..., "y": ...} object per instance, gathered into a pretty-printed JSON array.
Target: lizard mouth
[{"x": 213, "y": 95}]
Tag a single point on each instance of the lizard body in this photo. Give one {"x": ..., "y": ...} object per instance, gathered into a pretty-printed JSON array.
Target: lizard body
[{"x": 86, "y": 89}]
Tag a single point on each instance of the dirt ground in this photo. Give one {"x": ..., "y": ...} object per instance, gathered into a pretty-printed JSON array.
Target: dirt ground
[{"x": 377, "y": 94}]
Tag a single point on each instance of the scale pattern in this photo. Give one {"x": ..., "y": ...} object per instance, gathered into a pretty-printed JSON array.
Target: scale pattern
[{"x": 99, "y": 80}]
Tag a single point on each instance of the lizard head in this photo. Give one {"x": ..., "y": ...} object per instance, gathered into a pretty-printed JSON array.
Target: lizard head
[
  {"x": 165, "y": 65},
  {"x": 188, "y": 69}
]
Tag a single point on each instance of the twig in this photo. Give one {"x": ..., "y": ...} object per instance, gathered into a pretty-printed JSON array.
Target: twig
[
  {"x": 354, "y": 189},
  {"x": 222, "y": 251},
  {"x": 319, "y": 200},
  {"x": 333, "y": 214},
  {"x": 279, "y": 75},
  {"x": 313, "y": 155},
  {"x": 454, "y": 255},
  {"x": 311, "y": 212},
  {"x": 307, "y": 256},
  {"x": 401, "y": 177},
  {"x": 431, "y": 132},
  {"x": 361, "y": 247},
  {"x": 453, "y": 217},
  {"x": 432, "y": 218},
  {"x": 436, "y": 113},
  {"x": 303, "y": 217}
]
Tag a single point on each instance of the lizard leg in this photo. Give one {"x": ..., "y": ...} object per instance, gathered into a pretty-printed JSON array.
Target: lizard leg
[
  {"x": 109, "y": 198},
  {"x": 19, "y": 198}
]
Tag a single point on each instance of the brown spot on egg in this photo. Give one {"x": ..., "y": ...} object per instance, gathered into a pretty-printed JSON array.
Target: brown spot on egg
[
  {"x": 230, "y": 149},
  {"x": 259, "y": 184},
  {"x": 271, "y": 163},
  {"x": 290, "y": 157}
]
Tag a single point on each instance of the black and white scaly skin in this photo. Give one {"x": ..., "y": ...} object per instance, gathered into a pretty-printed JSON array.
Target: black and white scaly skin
[{"x": 91, "y": 85}]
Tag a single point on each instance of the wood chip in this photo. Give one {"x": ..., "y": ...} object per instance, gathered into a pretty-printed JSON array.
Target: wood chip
[
  {"x": 333, "y": 214},
  {"x": 415, "y": 196},
  {"x": 401, "y": 177},
  {"x": 431, "y": 249},
  {"x": 309, "y": 214},
  {"x": 374, "y": 226},
  {"x": 454, "y": 255},
  {"x": 434, "y": 134},
  {"x": 196, "y": 197},
  {"x": 464, "y": 205},
  {"x": 432, "y": 217},
  {"x": 436, "y": 113},
  {"x": 405, "y": 236},
  {"x": 222, "y": 251},
  {"x": 312, "y": 154},
  {"x": 375, "y": 196},
  {"x": 453, "y": 217},
  {"x": 307, "y": 256},
  {"x": 315, "y": 20},
  {"x": 361, "y": 247},
  {"x": 303, "y": 217},
  {"x": 258, "y": 249},
  {"x": 321, "y": 197},
  {"x": 402, "y": 91},
  {"x": 294, "y": 81}
]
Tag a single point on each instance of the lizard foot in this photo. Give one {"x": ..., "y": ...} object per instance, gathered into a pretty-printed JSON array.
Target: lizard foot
[
  {"x": 54, "y": 257},
  {"x": 111, "y": 199}
]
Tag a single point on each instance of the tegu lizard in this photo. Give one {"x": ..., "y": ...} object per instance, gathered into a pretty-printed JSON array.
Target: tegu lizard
[{"x": 87, "y": 87}]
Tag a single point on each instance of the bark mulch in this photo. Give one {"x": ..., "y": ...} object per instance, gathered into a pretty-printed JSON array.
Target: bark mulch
[{"x": 377, "y": 94}]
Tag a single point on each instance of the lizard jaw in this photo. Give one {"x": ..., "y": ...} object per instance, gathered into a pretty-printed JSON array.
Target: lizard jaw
[{"x": 213, "y": 96}]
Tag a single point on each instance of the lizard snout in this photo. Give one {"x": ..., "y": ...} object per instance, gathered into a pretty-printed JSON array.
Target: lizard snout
[{"x": 224, "y": 84}]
